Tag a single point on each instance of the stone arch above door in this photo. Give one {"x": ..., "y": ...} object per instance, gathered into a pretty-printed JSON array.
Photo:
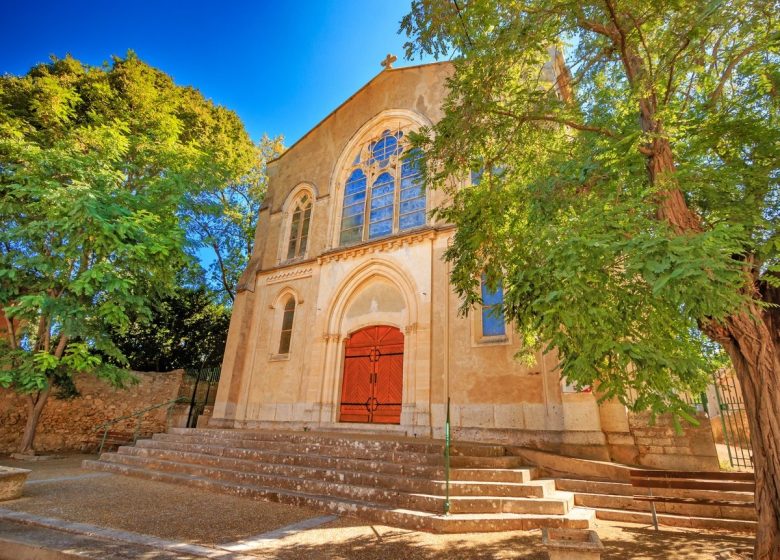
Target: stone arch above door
[
  {"x": 378, "y": 301},
  {"x": 378, "y": 292},
  {"x": 362, "y": 287}
]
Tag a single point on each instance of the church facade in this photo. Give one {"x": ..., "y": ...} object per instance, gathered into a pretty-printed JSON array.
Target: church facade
[{"x": 345, "y": 318}]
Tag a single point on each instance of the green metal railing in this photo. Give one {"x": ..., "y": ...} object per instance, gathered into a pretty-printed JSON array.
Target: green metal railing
[
  {"x": 447, "y": 460},
  {"x": 139, "y": 414}
]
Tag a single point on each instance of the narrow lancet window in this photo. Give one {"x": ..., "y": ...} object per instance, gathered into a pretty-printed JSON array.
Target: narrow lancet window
[
  {"x": 287, "y": 325},
  {"x": 299, "y": 228}
]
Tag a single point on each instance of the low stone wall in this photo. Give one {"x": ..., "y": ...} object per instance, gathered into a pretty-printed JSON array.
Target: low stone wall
[
  {"x": 660, "y": 445},
  {"x": 68, "y": 425}
]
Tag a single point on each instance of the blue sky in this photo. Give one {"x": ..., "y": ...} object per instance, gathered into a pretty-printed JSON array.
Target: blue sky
[{"x": 281, "y": 65}]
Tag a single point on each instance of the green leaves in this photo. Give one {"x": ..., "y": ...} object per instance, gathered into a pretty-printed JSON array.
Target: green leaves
[
  {"x": 594, "y": 260},
  {"x": 222, "y": 220},
  {"x": 95, "y": 163}
]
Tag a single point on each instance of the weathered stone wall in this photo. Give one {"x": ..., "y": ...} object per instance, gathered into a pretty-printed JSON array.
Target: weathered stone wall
[
  {"x": 68, "y": 425},
  {"x": 660, "y": 445}
]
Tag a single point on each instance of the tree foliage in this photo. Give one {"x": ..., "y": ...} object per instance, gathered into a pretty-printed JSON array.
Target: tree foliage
[
  {"x": 222, "y": 221},
  {"x": 566, "y": 212},
  {"x": 186, "y": 330},
  {"x": 94, "y": 164},
  {"x": 629, "y": 202}
]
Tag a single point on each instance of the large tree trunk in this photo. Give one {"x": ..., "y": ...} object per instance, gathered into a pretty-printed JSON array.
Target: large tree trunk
[
  {"x": 752, "y": 340},
  {"x": 755, "y": 354},
  {"x": 34, "y": 408}
]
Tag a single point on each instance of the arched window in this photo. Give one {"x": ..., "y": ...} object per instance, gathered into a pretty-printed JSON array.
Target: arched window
[
  {"x": 299, "y": 227},
  {"x": 383, "y": 192},
  {"x": 287, "y": 325}
]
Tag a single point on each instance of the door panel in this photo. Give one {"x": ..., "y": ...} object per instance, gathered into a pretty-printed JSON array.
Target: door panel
[
  {"x": 372, "y": 385},
  {"x": 356, "y": 389},
  {"x": 388, "y": 388}
]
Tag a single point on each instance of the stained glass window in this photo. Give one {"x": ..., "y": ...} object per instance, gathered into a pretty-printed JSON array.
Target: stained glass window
[
  {"x": 492, "y": 310},
  {"x": 383, "y": 193}
]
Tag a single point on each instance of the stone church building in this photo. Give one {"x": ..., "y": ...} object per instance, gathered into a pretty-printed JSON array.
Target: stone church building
[{"x": 345, "y": 319}]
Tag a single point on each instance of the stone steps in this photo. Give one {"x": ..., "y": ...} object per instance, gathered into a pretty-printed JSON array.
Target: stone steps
[
  {"x": 671, "y": 520},
  {"x": 372, "y": 477},
  {"x": 614, "y": 501},
  {"x": 363, "y": 441},
  {"x": 343, "y": 450},
  {"x": 394, "y": 480},
  {"x": 416, "y": 498},
  {"x": 412, "y": 519},
  {"x": 259, "y": 455}
]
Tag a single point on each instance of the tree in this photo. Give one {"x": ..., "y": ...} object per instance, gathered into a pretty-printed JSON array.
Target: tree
[
  {"x": 94, "y": 164},
  {"x": 630, "y": 203},
  {"x": 188, "y": 330},
  {"x": 223, "y": 220}
]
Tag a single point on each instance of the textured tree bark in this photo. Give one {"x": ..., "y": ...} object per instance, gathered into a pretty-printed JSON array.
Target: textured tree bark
[
  {"x": 755, "y": 355},
  {"x": 34, "y": 409},
  {"x": 752, "y": 340}
]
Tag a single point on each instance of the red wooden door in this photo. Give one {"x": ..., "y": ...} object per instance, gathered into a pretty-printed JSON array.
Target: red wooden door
[{"x": 373, "y": 376}]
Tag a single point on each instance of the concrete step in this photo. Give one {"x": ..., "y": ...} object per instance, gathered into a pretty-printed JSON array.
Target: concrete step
[
  {"x": 344, "y": 487},
  {"x": 343, "y": 447},
  {"x": 619, "y": 496},
  {"x": 339, "y": 473},
  {"x": 347, "y": 451},
  {"x": 365, "y": 442},
  {"x": 523, "y": 474},
  {"x": 606, "y": 501},
  {"x": 625, "y": 489},
  {"x": 505, "y": 462},
  {"x": 405, "y": 468},
  {"x": 399, "y": 517},
  {"x": 671, "y": 520}
]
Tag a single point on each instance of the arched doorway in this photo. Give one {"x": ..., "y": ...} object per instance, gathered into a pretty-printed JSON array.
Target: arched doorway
[{"x": 371, "y": 387}]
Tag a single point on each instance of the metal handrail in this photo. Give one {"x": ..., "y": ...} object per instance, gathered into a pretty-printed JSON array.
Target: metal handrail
[
  {"x": 139, "y": 413},
  {"x": 447, "y": 460}
]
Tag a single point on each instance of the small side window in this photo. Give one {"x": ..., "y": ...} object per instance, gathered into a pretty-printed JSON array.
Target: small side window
[
  {"x": 492, "y": 310},
  {"x": 287, "y": 325}
]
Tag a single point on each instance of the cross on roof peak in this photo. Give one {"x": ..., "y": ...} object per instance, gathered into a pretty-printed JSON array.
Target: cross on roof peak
[{"x": 388, "y": 61}]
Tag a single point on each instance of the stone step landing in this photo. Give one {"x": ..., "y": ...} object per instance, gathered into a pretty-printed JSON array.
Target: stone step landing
[
  {"x": 388, "y": 479},
  {"x": 614, "y": 501}
]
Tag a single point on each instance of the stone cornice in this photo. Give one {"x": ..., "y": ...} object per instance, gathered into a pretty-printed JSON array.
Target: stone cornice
[
  {"x": 379, "y": 246},
  {"x": 288, "y": 274},
  {"x": 293, "y": 270}
]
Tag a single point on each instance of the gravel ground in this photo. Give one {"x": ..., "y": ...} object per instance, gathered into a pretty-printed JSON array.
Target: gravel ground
[
  {"x": 183, "y": 514},
  {"x": 152, "y": 508},
  {"x": 352, "y": 539},
  {"x": 59, "y": 467}
]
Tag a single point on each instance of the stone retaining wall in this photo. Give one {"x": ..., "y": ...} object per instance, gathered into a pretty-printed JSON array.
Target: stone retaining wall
[
  {"x": 68, "y": 425},
  {"x": 660, "y": 446}
]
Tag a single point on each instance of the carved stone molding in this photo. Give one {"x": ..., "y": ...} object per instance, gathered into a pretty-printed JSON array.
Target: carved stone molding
[
  {"x": 377, "y": 247},
  {"x": 410, "y": 329},
  {"x": 286, "y": 275},
  {"x": 330, "y": 337}
]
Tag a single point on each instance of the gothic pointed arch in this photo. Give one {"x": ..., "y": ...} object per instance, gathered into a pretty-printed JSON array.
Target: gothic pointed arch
[{"x": 296, "y": 223}]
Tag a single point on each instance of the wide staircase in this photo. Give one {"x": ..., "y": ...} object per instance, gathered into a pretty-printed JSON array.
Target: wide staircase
[{"x": 396, "y": 481}]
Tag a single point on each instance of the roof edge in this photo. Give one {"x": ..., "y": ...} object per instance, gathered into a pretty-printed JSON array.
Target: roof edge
[{"x": 340, "y": 105}]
